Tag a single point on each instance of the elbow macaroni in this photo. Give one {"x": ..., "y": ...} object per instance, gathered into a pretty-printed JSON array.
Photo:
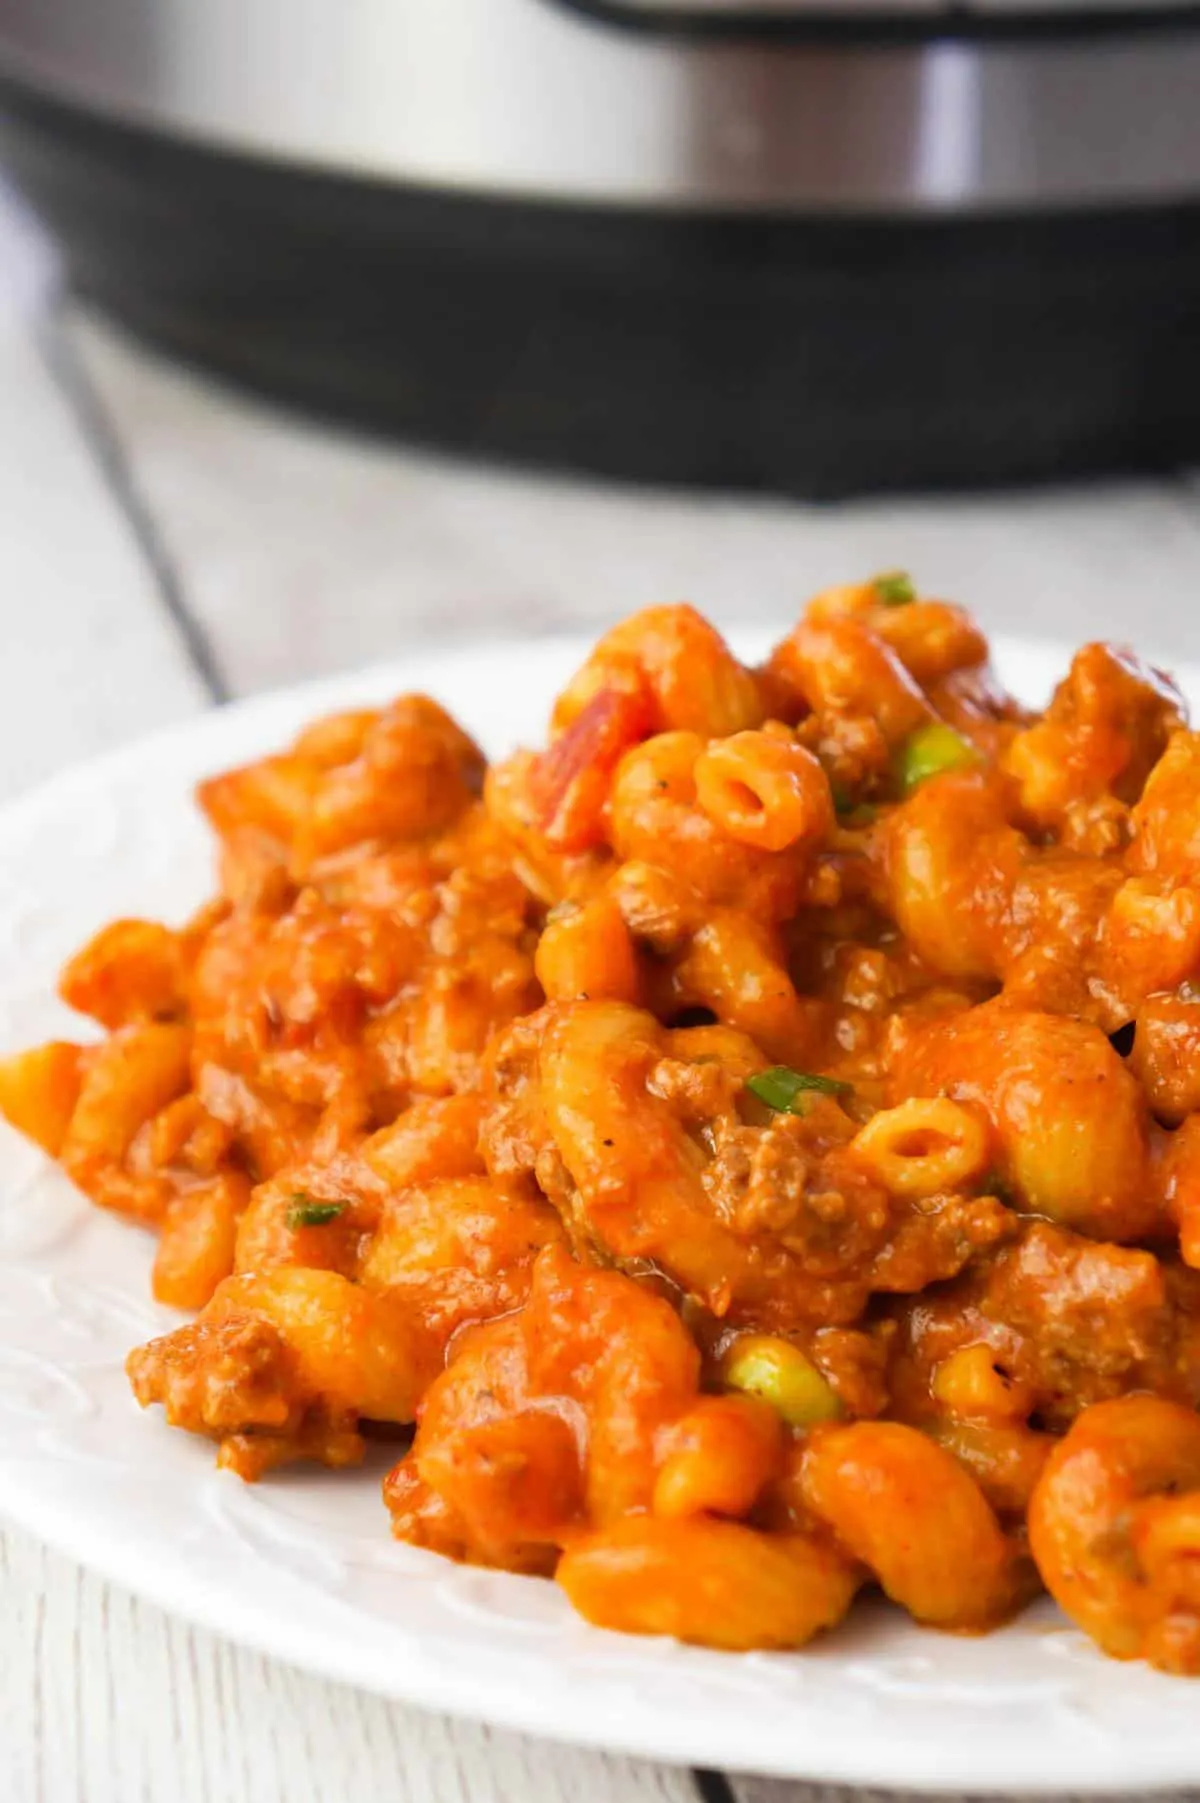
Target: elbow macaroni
[
  {"x": 755, "y": 1136},
  {"x": 924, "y": 1146}
]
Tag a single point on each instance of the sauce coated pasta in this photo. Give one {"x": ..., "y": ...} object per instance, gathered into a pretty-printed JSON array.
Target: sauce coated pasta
[{"x": 745, "y": 1149}]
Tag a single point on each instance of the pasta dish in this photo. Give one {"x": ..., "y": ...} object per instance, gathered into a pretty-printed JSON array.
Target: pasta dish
[{"x": 742, "y": 1152}]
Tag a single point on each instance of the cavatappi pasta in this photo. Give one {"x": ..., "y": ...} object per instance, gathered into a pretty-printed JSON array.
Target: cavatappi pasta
[{"x": 754, "y": 1138}]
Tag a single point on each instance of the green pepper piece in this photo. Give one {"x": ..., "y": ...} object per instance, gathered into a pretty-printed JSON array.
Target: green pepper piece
[
  {"x": 765, "y": 1365},
  {"x": 929, "y": 751},
  {"x": 895, "y": 588}
]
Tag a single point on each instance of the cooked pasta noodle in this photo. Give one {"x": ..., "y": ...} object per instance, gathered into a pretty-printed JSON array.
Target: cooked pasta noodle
[
  {"x": 924, "y": 1146},
  {"x": 752, "y": 1138}
]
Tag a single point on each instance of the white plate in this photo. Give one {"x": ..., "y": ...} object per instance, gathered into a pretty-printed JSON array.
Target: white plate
[{"x": 302, "y": 1565}]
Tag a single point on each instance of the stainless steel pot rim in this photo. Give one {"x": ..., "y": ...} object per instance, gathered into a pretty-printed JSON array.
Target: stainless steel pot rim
[{"x": 536, "y": 100}]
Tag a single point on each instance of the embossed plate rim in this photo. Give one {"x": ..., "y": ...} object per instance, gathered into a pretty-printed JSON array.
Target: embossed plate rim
[{"x": 302, "y": 1568}]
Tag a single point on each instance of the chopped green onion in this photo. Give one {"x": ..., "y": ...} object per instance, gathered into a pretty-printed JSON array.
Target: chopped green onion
[
  {"x": 784, "y": 1089},
  {"x": 929, "y": 751},
  {"x": 770, "y": 1367},
  {"x": 307, "y": 1213},
  {"x": 895, "y": 588}
]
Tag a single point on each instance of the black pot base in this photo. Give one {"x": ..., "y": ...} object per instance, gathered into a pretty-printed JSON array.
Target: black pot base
[{"x": 813, "y": 356}]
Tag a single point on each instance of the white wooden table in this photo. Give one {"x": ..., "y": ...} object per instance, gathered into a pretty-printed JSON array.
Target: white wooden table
[{"x": 164, "y": 545}]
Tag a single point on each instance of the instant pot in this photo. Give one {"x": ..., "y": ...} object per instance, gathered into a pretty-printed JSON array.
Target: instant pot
[{"x": 815, "y": 247}]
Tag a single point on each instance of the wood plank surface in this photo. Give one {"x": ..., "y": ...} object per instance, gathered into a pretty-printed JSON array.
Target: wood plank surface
[
  {"x": 108, "y": 1700},
  {"x": 89, "y": 658},
  {"x": 308, "y": 550}
]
